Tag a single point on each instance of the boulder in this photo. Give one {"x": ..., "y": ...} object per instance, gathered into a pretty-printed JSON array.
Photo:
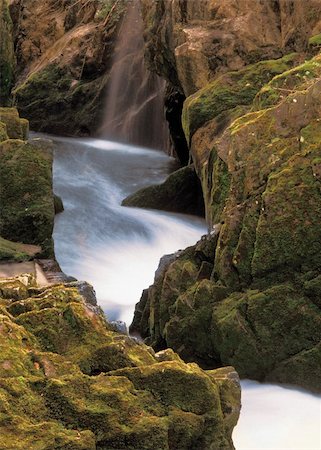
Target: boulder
[
  {"x": 181, "y": 192},
  {"x": 64, "y": 370},
  {"x": 7, "y": 56},
  {"x": 64, "y": 62},
  {"x": 26, "y": 196}
]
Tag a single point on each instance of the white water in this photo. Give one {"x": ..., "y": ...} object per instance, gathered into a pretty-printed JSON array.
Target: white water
[
  {"x": 117, "y": 249},
  {"x": 278, "y": 418}
]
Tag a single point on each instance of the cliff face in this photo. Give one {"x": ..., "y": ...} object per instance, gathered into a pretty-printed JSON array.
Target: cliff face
[
  {"x": 7, "y": 57},
  {"x": 63, "y": 62},
  {"x": 251, "y": 295},
  {"x": 189, "y": 42}
]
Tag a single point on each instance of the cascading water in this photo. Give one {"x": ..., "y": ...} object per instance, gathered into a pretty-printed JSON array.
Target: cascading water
[
  {"x": 134, "y": 110},
  {"x": 117, "y": 249}
]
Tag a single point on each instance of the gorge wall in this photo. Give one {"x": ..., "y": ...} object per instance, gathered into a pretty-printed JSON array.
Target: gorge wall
[
  {"x": 249, "y": 293},
  {"x": 63, "y": 62}
]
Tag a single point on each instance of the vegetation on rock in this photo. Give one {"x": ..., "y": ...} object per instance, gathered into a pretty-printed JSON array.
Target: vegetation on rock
[
  {"x": 68, "y": 381},
  {"x": 7, "y": 56},
  {"x": 26, "y": 196},
  {"x": 64, "y": 62},
  {"x": 254, "y": 134},
  {"x": 181, "y": 192}
]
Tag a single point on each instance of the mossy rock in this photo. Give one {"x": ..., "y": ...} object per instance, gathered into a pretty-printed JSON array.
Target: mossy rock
[
  {"x": 135, "y": 401},
  {"x": 181, "y": 192},
  {"x": 288, "y": 231},
  {"x": 230, "y": 90},
  {"x": 26, "y": 195},
  {"x": 16, "y": 127},
  {"x": 268, "y": 333},
  {"x": 12, "y": 251},
  {"x": 315, "y": 43},
  {"x": 58, "y": 204},
  {"x": 73, "y": 108},
  {"x": 286, "y": 83},
  {"x": 3, "y": 132},
  {"x": 7, "y": 56}
]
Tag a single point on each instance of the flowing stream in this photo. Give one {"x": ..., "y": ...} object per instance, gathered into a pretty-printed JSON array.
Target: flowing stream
[{"x": 117, "y": 249}]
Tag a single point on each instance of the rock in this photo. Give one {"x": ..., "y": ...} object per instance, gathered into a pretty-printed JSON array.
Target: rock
[
  {"x": 26, "y": 197},
  {"x": 7, "y": 56},
  {"x": 252, "y": 121},
  {"x": 64, "y": 62},
  {"x": 12, "y": 251},
  {"x": 63, "y": 369},
  {"x": 58, "y": 204},
  {"x": 119, "y": 326},
  {"x": 16, "y": 128},
  {"x": 86, "y": 290},
  {"x": 181, "y": 192},
  {"x": 190, "y": 43},
  {"x": 226, "y": 92}
]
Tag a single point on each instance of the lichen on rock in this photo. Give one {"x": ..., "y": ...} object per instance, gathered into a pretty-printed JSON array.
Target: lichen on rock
[
  {"x": 254, "y": 137},
  {"x": 62, "y": 368}
]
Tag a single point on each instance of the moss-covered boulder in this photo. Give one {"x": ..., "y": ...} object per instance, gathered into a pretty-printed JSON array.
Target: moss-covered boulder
[
  {"x": 181, "y": 192},
  {"x": 14, "y": 251},
  {"x": 68, "y": 382},
  {"x": 257, "y": 305},
  {"x": 16, "y": 127},
  {"x": 26, "y": 196},
  {"x": 230, "y": 90},
  {"x": 64, "y": 62},
  {"x": 7, "y": 56}
]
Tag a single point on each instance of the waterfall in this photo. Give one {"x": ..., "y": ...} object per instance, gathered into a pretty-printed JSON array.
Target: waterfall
[{"x": 134, "y": 110}]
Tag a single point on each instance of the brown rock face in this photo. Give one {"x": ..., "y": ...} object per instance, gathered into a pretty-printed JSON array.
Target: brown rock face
[
  {"x": 251, "y": 71},
  {"x": 63, "y": 63},
  {"x": 189, "y": 42}
]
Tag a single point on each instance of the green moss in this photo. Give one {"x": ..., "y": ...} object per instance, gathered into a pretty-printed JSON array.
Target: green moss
[
  {"x": 26, "y": 195},
  {"x": 288, "y": 232},
  {"x": 315, "y": 41},
  {"x": 286, "y": 83},
  {"x": 180, "y": 192},
  {"x": 228, "y": 91},
  {"x": 3, "y": 132},
  {"x": 46, "y": 401},
  {"x": 257, "y": 331},
  {"x": 16, "y": 128},
  {"x": 12, "y": 251},
  {"x": 7, "y": 57},
  {"x": 218, "y": 183},
  {"x": 53, "y": 103}
]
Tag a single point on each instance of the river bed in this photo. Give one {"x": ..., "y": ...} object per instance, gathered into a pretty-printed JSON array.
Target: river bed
[{"x": 117, "y": 249}]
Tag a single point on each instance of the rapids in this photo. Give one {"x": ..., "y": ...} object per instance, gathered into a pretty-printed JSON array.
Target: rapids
[{"x": 117, "y": 249}]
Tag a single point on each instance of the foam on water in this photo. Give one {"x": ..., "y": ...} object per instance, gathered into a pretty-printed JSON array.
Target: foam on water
[
  {"x": 278, "y": 418},
  {"x": 117, "y": 249}
]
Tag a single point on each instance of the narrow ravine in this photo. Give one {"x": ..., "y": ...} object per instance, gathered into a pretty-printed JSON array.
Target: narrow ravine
[{"x": 117, "y": 249}]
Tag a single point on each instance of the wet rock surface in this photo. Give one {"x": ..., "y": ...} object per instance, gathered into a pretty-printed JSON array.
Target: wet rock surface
[
  {"x": 252, "y": 123},
  {"x": 63, "y": 368}
]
